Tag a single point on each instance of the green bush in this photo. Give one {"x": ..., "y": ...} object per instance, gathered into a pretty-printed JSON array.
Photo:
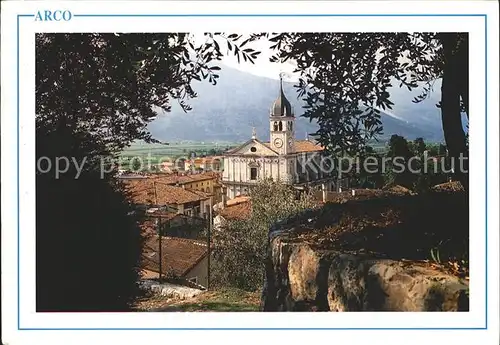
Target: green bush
[{"x": 240, "y": 248}]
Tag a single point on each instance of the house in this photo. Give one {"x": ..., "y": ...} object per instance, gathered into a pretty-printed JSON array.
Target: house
[
  {"x": 173, "y": 224},
  {"x": 239, "y": 208},
  {"x": 208, "y": 182},
  {"x": 151, "y": 192},
  {"x": 181, "y": 258},
  {"x": 167, "y": 166},
  {"x": 209, "y": 163},
  {"x": 300, "y": 163}
]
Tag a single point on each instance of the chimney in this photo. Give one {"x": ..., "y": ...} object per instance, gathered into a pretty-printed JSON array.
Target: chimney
[
  {"x": 224, "y": 198},
  {"x": 324, "y": 192}
]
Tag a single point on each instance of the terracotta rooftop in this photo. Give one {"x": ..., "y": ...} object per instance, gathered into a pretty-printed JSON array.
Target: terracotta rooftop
[
  {"x": 237, "y": 211},
  {"x": 448, "y": 187},
  {"x": 179, "y": 255},
  {"x": 304, "y": 146},
  {"x": 143, "y": 192},
  {"x": 183, "y": 179},
  {"x": 238, "y": 200},
  {"x": 208, "y": 159},
  {"x": 307, "y": 146}
]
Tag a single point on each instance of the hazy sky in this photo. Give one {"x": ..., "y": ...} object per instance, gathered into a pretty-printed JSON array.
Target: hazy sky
[{"x": 262, "y": 66}]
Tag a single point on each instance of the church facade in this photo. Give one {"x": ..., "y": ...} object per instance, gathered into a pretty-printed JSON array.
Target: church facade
[{"x": 299, "y": 163}]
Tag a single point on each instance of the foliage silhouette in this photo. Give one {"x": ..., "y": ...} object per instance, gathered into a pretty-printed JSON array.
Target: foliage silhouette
[
  {"x": 345, "y": 77},
  {"x": 95, "y": 94}
]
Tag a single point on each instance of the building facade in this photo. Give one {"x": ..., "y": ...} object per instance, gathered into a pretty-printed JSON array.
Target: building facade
[
  {"x": 299, "y": 163},
  {"x": 153, "y": 193},
  {"x": 210, "y": 163},
  {"x": 180, "y": 258},
  {"x": 207, "y": 182}
]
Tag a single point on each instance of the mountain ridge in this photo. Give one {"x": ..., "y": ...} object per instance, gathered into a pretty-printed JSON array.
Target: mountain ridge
[{"x": 240, "y": 101}]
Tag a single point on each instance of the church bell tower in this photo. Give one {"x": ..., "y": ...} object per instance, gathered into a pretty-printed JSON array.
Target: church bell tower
[{"x": 282, "y": 124}]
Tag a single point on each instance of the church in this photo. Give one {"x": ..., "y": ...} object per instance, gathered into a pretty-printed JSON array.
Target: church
[{"x": 299, "y": 163}]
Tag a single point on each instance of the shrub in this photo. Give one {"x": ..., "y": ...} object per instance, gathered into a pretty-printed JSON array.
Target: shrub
[{"x": 240, "y": 248}]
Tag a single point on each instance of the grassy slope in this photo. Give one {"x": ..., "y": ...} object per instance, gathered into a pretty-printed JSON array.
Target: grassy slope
[{"x": 225, "y": 300}]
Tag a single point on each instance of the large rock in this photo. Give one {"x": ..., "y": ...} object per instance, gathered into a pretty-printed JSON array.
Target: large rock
[
  {"x": 301, "y": 278},
  {"x": 368, "y": 252}
]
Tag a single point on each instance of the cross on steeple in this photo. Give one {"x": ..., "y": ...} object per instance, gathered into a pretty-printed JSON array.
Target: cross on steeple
[{"x": 281, "y": 81}]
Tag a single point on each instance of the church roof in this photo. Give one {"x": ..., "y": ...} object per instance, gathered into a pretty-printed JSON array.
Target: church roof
[
  {"x": 255, "y": 141},
  {"x": 302, "y": 146},
  {"x": 281, "y": 106},
  {"x": 307, "y": 146}
]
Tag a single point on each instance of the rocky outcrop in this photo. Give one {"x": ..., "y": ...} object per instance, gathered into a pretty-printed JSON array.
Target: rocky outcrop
[
  {"x": 302, "y": 275},
  {"x": 299, "y": 278}
]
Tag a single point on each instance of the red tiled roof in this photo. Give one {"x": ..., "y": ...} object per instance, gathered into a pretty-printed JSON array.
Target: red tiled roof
[
  {"x": 449, "y": 186},
  {"x": 209, "y": 159},
  {"x": 238, "y": 211},
  {"x": 238, "y": 200},
  {"x": 307, "y": 146},
  {"x": 182, "y": 179},
  {"x": 143, "y": 192},
  {"x": 304, "y": 146},
  {"x": 179, "y": 255}
]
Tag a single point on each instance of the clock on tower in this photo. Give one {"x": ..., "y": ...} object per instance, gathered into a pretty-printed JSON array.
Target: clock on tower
[
  {"x": 281, "y": 124},
  {"x": 278, "y": 142}
]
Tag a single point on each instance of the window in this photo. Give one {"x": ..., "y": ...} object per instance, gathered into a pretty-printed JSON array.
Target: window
[
  {"x": 253, "y": 173},
  {"x": 253, "y": 149}
]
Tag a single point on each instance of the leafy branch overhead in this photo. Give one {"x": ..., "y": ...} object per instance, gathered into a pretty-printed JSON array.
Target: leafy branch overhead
[
  {"x": 109, "y": 85},
  {"x": 345, "y": 77},
  {"x": 95, "y": 94}
]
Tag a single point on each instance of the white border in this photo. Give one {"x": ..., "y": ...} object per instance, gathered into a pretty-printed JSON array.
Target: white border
[{"x": 30, "y": 319}]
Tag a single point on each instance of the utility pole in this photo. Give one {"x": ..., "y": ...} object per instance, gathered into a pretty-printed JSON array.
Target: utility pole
[
  {"x": 209, "y": 229},
  {"x": 158, "y": 230}
]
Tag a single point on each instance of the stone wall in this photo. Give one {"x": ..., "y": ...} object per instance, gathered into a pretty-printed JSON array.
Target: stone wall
[
  {"x": 371, "y": 252},
  {"x": 299, "y": 278}
]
